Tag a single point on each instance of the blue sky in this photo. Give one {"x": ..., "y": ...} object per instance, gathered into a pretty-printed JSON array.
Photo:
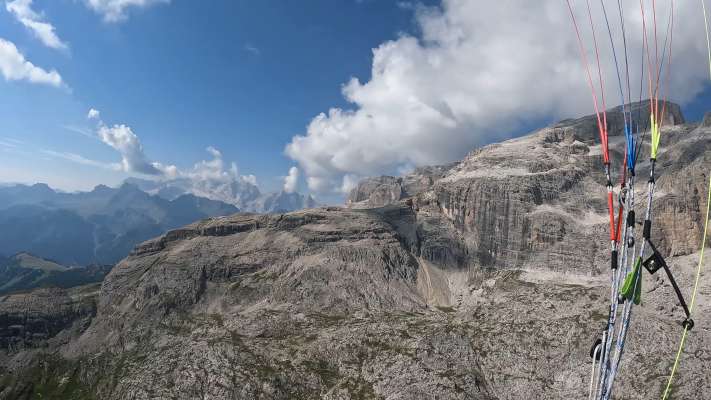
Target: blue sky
[
  {"x": 249, "y": 77},
  {"x": 242, "y": 76}
]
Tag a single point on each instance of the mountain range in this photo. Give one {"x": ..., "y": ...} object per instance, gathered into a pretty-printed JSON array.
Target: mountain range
[
  {"x": 96, "y": 227},
  {"x": 241, "y": 193},
  {"x": 103, "y": 225},
  {"x": 484, "y": 279}
]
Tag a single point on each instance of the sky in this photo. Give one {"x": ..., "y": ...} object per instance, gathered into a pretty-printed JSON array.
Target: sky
[{"x": 301, "y": 96}]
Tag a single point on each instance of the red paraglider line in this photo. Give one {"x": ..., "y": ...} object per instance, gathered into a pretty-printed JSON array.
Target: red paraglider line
[
  {"x": 602, "y": 86},
  {"x": 669, "y": 64},
  {"x": 603, "y": 137}
]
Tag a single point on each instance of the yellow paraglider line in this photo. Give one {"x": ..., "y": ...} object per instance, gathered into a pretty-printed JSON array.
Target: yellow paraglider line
[
  {"x": 667, "y": 391},
  {"x": 693, "y": 296},
  {"x": 708, "y": 42}
]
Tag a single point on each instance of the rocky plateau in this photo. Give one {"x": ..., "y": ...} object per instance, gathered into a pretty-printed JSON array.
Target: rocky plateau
[{"x": 483, "y": 279}]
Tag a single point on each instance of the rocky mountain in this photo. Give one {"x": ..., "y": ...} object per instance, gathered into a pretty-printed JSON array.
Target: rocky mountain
[
  {"x": 96, "y": 227},
  {"x": 485, "y": 279},
  {"x": 241, "y": 193},
  {"x": 280, "y": 202},
  {"x": 23, "y": 272},
  {"x": 237, "y": 192},
  {"x": 45, "y": 317}
]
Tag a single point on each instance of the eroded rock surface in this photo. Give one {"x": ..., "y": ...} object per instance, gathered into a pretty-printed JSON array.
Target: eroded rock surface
[{"x": 485, "y": 279}]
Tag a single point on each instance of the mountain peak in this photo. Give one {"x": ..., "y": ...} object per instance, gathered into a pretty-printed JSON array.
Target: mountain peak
[
  {"x": 129, "y": 187},
  {"x": 42, "y": 188},
  {"x": 101, "y": 189}
]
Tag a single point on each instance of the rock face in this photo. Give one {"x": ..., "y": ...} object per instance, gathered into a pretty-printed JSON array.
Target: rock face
[
  {"x": 527, "y": 202},
  {"x": 384, "y": 190},
  {"x": 29, "y": 320},
  {"x": 485, "y": 279},
  {"x": 707, "y": 119}
]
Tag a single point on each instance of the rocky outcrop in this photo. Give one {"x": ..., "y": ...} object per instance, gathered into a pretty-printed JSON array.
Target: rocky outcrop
[
  {"x": 384, "y": 190},
  {"x": 486, "y": 279},
  {"x": 538, "y": 201},
  {"x": 31, "y": 320},
  {"x": 707, "y": 120}
]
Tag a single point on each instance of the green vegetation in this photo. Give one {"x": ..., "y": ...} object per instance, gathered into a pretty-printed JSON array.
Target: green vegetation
[
  {"x": 25, "y": 272},
  {"x": 49, "y": 377}
]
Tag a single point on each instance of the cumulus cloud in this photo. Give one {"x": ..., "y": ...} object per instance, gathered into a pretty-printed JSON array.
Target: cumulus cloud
[
  {"x": 123, "y": 140},
  {"x": 14, "y": 67},
  {"x": 44, "y": 31},
  {"x": 93, "y": 114},
  {"x": 117, "y": 10},
  {"x": 214, "y": 169},
  {"x": 133, "y": 159},
  {"x": 215, "y": 179},
  {"x": 291, "y": 181},
  {"x": 475, "y": 73}
]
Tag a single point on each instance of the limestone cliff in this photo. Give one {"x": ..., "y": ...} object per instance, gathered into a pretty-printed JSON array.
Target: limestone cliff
[{"x": 484, "y": 279}]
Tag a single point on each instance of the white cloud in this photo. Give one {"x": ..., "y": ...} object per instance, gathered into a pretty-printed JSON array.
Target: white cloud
[
  {"x": 79, "y": 159},
  {"x": 93, "y": 114},
  {"x": 291, "y": 181},
  {"x": 133, "y": 159},
  {"x": 7, "y": 144},
  {"x": 117, "y": 10},
  {"x": 216, "y": 170},
  {"x": 215, "y": 179},
  {"x": 477, "y": 71},
  {"x": 44, "y": 31},
  {"x": 208, "y": 178},
  {"x": 14, "y": 67},
  {"x": 10, "y": 143},
  {"x": 251, "y": 179},
  {"x": 213, "y": 169},
  {"x": 252, "y": 49}
]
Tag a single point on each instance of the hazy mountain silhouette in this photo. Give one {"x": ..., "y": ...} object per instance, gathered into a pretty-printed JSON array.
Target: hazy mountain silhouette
[{"x": 100, "y": 226}]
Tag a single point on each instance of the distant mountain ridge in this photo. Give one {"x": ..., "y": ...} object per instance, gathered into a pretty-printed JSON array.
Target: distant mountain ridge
[
  {"x": 25, "y": 271},
  {"x": 242, "y": 194},
  {"x": 96, "y": 227},
  {"x": 486, "y": 279}
]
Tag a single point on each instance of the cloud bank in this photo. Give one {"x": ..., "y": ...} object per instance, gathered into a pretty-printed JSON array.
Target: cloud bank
[
  {"x": 14, "y": 67},
  {"x": 475, "y": 72},
  {"x": 44, "y": 31}
]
